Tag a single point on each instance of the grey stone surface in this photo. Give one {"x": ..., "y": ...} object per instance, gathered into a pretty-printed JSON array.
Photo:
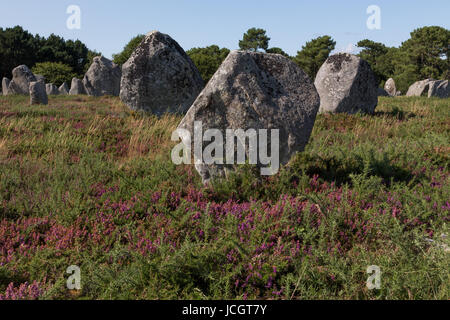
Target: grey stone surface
[
  {"x": 37, "y": 93},
  {"x": 5, "y": 85},
  {"x": 51, "y": 89},
  {"x": 439, "y": 89},
  {"x": 77, "y": 87},
  {"x": 346, "y": 84},
  {"x": 102, "y": 78},
  {"x": 20, "y": 83},
  {"x": 64, "y": 89},
  {"x": 256, "y": 91},
  {"x": 39, "y": 77},
  {"x": 390, "y": 87},
  {"x": 419, "y": 88},
  {"x": 398, "y": 93},
  {"x": 159, "y": 77}
]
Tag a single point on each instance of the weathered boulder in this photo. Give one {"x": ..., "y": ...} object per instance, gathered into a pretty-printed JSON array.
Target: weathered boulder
[
  {"x": 256, "y": 91},
  {"x": 20, "y": 83},
  {"x": 439, "y": 89},
  {"x": 390, "y": 88},
  {"x": 346, "y": 84},
  {"x": 51, "y": 89},
  {"x": 64, "y": 89},
  {"x": 5, "y": 85},
  {"x": 77, "y": 87},
  {"x": 419, "y": 88},
  {"x": 159, "y": 77},
  {"x": 37, "y": 93},
  {"x": 102, "y": 78}
]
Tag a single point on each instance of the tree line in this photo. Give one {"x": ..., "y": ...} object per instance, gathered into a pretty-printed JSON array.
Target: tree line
[
  {"x": 424, "y": 55},
  {"x": 53, "y": 57}
]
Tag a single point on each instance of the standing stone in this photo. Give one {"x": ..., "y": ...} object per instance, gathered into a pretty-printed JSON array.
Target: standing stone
[
  {"x": 51, "y": 89},
  {"x": 390, "y": 87},
  {"x": 64, "y": 89},
  {"x": 439, "y": 89},
  {"x": 419, "y": 88},
  {"x": 159, "y": 77},
  {"x": 20, "y": 83},
  {"x": 5, "y": 85},
  {"x": 398, "y": 93},
  {"x": 102, "y": 78},
  {"x": 253, "y": 90},
  {"x": 346, "y": 84},
  {"x": 77, "y": 87},
  {"x": 37, "y": 93}
]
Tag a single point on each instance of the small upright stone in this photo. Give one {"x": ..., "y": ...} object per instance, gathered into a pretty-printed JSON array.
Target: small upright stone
[
  {"x": 64, "y": 89},
  {"x": 346, "y": 84},
  {"x": 5, "y": 85},
  {"x": 77, "y": 87},
  {"x": 160, "y": 77},
  {"x": 37, "y": 93},
  {"x": 20, "y": 83},
  {"x": 102, "y": 78},
  {"x": 51, "y": 89},
  {"x": 390, "y": 87}
]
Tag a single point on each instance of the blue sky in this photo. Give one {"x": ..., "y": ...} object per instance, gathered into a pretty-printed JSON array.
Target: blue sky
[{"x": 107, "y": 26}]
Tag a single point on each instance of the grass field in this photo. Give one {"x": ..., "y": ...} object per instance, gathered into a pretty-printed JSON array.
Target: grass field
[{"x": 86, "y": 182}]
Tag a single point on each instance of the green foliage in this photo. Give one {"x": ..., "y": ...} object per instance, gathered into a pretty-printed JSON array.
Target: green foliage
[
  {"x": 277, "y": 50},
  {"x": 208, "y": 59},
  {"x": 122, "y": 57},
  {"x": 54, "y": 72},
  {"x": 18, "y": 46},
  {"x": 314, "y": 54},
  {"x": 380, "y": 58},
  {"x": 428, "y": 49},
  {"x": 424, "y": 55},
  {"x": 254, "y": 39}
]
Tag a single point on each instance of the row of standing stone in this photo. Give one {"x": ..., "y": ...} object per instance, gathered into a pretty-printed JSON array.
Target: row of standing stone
[{"x": 102, "y": 78}]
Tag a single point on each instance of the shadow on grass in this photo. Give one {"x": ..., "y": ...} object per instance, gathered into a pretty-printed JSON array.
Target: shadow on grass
[
  {"x": 339, "y": 171},
  {"x": 396, "y": 113}
]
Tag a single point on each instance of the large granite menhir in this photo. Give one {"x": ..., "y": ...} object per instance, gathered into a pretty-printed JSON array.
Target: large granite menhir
[
  {"x": 102, "y": 78},
  {"x": 256, "y": 91},
  {"x": 160, "y": 77},
  {"x": 346, "y": 84},
  {"x": 20, "y": 83}
]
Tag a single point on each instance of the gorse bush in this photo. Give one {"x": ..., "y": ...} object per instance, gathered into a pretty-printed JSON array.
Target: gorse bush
[{"x": 87, "y": 182}]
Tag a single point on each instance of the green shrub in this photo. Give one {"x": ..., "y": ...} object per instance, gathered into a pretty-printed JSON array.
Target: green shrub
[
  {"x": 54, "y": 72},
  {"x": 208, "y": 59}
]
